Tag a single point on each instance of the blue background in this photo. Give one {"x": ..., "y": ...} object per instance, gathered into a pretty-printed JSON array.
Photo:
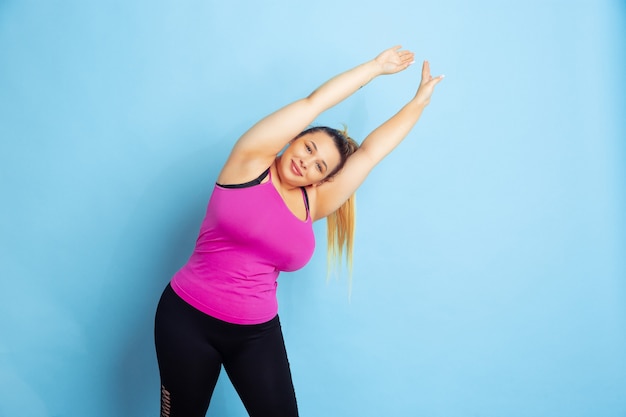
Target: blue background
[{"x": 490, "y": 267}]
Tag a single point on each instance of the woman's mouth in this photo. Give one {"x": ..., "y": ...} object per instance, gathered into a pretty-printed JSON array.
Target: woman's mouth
[{"x": 295, "y": 168}]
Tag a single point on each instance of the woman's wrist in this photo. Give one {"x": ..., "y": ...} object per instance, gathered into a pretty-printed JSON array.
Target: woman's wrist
[
  {"x": 418, "y": 104},
  {"x": 377, "y": 68},
  {"x": 372, "y": 69}
]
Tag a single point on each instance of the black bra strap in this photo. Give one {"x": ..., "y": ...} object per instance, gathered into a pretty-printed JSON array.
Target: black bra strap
[
  {"x": 306, "y": 198},
  {"x": 252, "y": 183}
]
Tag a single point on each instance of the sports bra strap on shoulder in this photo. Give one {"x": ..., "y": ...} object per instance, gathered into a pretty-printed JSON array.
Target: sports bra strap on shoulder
[
  {"x": 306, "y": 198},
  {"x": 252, "y": 183}
]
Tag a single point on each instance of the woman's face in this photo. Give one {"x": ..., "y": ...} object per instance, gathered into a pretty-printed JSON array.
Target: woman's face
[{"x": 309, "y": 159}]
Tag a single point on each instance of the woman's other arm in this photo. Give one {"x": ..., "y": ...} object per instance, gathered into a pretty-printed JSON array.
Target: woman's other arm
[{"x": 332, "y": 194}]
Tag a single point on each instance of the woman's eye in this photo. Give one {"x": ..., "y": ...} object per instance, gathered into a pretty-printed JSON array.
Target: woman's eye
[
  {"x": 308, "y": 148},
  {"x": 319, "y": 167}
]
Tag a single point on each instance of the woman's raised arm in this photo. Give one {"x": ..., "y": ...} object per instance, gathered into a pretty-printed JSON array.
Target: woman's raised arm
[
  {"x": 263, "y": 141},
  {"x": 332, "y": 194}
]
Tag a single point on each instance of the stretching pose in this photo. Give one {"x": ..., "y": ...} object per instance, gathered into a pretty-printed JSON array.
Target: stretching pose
[{"x": 220, "y": 309}]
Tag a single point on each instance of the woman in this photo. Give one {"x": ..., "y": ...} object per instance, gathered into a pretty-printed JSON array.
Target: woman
[{"x": 220, "y": 308}]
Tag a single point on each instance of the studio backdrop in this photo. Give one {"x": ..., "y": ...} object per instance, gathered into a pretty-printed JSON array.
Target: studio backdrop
[{"x": 489, "y": 270}]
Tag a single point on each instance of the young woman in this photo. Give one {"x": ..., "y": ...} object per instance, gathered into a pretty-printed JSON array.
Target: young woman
[{"x": 220, "y": 309}]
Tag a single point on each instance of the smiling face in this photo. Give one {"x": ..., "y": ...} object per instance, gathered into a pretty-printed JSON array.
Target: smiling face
[{"x": 309, "y": 159}]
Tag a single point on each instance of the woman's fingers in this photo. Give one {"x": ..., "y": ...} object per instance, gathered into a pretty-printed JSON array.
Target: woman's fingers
[
  {"x": 406, "y": 57},
  {"x": 425, "y": 71},
  {"x": 427, "y": 85},
  {"x": 426, "y": 77}
]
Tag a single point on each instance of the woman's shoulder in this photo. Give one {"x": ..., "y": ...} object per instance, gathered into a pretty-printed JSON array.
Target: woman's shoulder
[{"x": 240, "y": 171}]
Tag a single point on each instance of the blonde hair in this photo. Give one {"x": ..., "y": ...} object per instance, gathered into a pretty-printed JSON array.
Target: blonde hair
[{"x": 340, "y": 225}]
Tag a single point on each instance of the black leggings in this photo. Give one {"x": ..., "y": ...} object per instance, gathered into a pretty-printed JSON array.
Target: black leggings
[{"x": 191, "y": 347}]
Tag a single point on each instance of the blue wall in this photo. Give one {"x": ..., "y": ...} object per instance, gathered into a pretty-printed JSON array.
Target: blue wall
[{"x": 490, "y": 267}]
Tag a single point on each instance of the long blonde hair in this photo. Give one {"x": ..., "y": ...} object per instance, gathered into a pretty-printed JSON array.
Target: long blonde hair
[{"x": 340, "y": 226}]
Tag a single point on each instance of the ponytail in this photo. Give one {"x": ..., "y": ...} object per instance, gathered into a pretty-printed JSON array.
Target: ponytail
[
  {"x": 341, "y": 223},
  {"x": 340, "y": 227}
]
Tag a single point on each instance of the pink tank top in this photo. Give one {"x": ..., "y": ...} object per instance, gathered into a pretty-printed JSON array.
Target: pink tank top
[{"x": 247, "y": 236}]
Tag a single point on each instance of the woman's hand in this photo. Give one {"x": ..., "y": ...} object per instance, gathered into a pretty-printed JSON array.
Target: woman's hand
[
  {"x": 393, "y": 60},
  {"x": 427, "y": 85}
]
